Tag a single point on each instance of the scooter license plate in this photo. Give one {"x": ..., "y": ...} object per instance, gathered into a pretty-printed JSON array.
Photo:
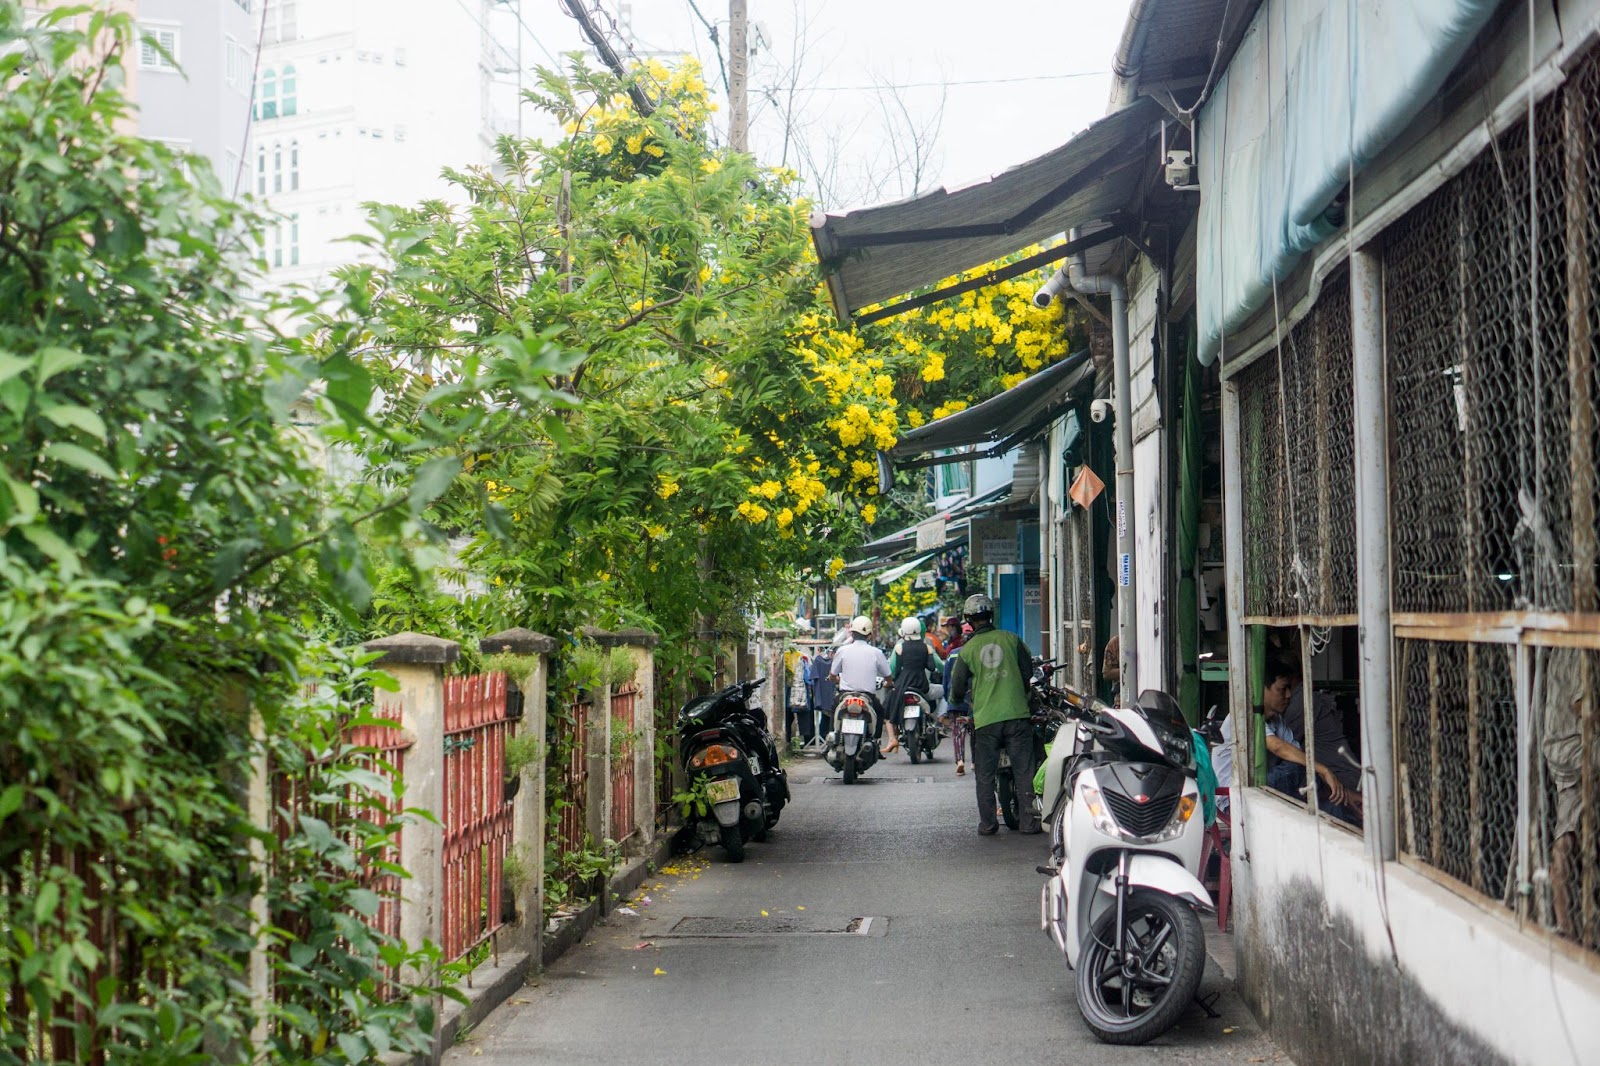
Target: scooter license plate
[
  {"x": 724, "y": 790},
  {"x": 855, "y": 726},
  {"x": 913, "y": 711}
]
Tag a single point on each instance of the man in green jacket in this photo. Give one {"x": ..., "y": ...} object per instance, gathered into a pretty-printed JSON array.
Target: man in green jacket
[{"x": 991, "y": 674}]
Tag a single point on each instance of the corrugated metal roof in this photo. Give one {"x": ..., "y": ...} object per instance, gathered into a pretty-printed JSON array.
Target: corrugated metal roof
[
  {"x": 875, "y": 254},
  {"x": 1028, "y": 405},
  {"x": 1175, "y": 44}
]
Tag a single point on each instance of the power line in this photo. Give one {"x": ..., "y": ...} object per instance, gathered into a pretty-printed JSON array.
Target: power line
[
  {"x": 716, "y": 44},
  {"x": 952, "y": 84}
]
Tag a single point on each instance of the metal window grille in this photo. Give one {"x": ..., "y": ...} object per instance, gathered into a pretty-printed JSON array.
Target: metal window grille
[
  {"x": 1080, "y": 575},
  {"x": 1491, "y": 328},
  {"x": 1296, "y": 421}
]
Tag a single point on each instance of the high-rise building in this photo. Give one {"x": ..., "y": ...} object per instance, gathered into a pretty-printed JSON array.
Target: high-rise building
[
  {"x": 193, "y": 91},
  {"x": 189, "y": 75},
  {"x": 363, "y": 101}
]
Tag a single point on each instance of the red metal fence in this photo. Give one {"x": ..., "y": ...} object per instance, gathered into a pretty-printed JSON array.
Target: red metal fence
[
  {"x": 570, "y": 819},
  {"x": 477, "y": 813},
  {"x": 624, "y": 820}
]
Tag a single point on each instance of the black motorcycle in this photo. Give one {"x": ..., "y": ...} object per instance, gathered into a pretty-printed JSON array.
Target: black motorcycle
[
  {"x": 726, "y": 742},
  {"x": 851, "y": 748},
  {"x": 919, "y": 728}
]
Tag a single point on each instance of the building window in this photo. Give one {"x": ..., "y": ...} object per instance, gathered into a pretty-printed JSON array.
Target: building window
[
  {"x": 294, "y": 240},
  {"x": 280, "y": 22},
  {"x": 277, "y": 245},
  {"x": 236, "y": 59},
  {"x": 290, "y": 104},
  {"x": 399, "y": 133},
  {"x": 267, "y": 99},
  {"x": 261, "y": 170},
  {"x": 294, "y": 166},
  {"x": 277, "y": 168},
  {"x": 158, "y": 48}
]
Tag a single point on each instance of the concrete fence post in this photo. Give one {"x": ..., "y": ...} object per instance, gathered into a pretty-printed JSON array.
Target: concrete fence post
[
  {"x": 417, "y": 662},
  {"x": 528, "y": 827},
  {"x": 641, "y": 645}
]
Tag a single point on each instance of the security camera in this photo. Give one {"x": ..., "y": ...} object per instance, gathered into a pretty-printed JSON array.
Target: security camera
[
  {"x": 1050, "y": 289},
  {"x": 1099, "y": 410},
  {"x": 1179, "y": 169}
]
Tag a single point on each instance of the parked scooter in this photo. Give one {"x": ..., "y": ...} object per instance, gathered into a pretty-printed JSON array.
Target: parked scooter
[
  {"x": 727, "y": 742},
  {"x": 1122, "y": 899},
  {"x": 919, "y": 726},
  {"x": 850, "y": 748}
]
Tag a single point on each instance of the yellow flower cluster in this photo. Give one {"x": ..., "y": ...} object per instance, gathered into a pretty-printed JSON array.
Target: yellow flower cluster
[
  {"x": 835, "y": 566},
  {"x": 667, "y": 486},
  {"x": 753, "y": 513},
  {"x": 902, "y": 599}
]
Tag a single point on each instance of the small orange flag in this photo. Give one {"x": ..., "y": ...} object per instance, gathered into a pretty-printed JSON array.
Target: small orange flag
[{"x": 1085, "y": 487}]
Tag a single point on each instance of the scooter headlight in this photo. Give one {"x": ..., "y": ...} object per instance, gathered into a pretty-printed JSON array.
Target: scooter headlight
[{"x": 1095, "y": 804}]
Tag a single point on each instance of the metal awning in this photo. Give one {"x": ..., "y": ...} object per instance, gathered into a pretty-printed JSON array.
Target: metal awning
[
  {"x": 877, "y": 253},
  {"x": 996, "y": 425},
  {"x": 882, "y": 552}
]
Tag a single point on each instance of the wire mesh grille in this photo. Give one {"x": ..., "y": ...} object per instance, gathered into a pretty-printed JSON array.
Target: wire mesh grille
[
  {"x": 1298, "y": 443},
  {"x": 1565, "y": 793},
  {"x": 1080, "y": 601},
  {"x": 1458, "y": 760},
  {"x": 1491, "y": 321}
]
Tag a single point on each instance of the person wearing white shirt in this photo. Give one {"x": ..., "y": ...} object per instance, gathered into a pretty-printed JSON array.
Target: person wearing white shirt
[{"x": 857, "y": 667}]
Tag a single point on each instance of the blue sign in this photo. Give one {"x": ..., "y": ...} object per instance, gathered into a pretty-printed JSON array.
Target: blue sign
[{"x": 1126, "y": 568}]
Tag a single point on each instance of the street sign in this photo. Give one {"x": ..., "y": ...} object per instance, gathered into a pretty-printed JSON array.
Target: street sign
[{"x": 995, "y": 543}]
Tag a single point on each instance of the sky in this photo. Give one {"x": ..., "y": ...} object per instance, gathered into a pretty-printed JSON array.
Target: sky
[{"x": 978, "y": 86}]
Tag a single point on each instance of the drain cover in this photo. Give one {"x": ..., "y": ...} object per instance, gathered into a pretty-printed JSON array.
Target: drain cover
[{"x": 779, "y": 925}]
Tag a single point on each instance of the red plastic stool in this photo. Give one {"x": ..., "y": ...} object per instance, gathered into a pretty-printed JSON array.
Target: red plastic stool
[{"x": 1219, "y": 838}]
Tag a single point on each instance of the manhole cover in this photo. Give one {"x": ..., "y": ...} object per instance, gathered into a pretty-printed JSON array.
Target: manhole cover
[{"x": 778, "y": 925}]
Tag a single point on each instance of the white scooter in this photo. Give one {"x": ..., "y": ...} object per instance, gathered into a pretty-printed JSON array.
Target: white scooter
[{"x": 1123, "y": 897}]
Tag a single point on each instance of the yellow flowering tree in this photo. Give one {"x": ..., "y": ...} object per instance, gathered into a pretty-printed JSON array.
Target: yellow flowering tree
[{"x": 718, "y": 432}]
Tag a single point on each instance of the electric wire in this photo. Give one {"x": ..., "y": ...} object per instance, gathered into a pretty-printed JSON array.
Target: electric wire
[
  {"x": 716, "y": 44},
  {"x": 250, "y": 102}
]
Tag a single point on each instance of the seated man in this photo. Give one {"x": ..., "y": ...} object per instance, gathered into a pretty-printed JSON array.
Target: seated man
[{"x": 1283, "y": 702}]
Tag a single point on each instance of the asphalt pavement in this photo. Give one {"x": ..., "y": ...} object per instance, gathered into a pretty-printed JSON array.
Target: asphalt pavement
[{"x": 874, "y": 926}]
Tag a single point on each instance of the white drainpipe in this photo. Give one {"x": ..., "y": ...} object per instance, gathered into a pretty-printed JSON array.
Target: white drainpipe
[{"x": 1127, "y": 600}]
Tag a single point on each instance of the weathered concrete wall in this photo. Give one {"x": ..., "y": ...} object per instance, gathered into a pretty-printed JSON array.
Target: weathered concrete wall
[{"x": 1314, "y": 917}]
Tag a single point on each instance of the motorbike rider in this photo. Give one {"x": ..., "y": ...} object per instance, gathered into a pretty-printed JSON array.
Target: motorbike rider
[
  {"x": 991, "y": 674},
  {"x": 910, "y": 662},
  {"x": 857, "y": 666}
]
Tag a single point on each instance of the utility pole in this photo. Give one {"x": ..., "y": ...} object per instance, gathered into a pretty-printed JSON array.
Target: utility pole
[{"x": 739, "y": 71}]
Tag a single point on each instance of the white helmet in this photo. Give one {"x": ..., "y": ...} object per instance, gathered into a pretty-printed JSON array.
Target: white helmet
[
  {"x": 911, "y": 627},
  {"x": 861, "y": 626}
]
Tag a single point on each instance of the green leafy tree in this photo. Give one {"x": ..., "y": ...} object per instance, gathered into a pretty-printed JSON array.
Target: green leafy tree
[{"x": 163, "y": 525}]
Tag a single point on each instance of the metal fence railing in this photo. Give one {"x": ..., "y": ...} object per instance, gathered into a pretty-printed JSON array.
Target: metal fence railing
[
  {"x": 570, "y": 819},
  {"x": 477, "y": 812},
  {"x": 1297, "y": 424},
  {"x": 624, "y": 806}
]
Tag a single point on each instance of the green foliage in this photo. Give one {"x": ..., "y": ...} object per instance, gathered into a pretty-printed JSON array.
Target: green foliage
[
  {"x": 523, "y": 751},
  {"x": 519, "y": 669},
  {"x": 163, "y": 526},
  {"x": 693, "y": 798}
]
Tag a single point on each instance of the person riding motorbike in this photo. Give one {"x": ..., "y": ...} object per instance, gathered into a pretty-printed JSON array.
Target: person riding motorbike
[
  {"x": 857, "y": 666},
  {"x": 910, "y": 663}
]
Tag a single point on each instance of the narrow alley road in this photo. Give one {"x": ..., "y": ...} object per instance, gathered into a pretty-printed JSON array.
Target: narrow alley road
[{"x": 752, "y": 964}]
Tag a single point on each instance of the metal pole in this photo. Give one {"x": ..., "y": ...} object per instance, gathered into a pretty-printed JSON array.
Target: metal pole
[
  {"x": 1233, "y": 558},
  {"x": 1372, "y": 550},
  {"x": 738, "y": 73},
  {"x": 1127, "y": 577}
]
